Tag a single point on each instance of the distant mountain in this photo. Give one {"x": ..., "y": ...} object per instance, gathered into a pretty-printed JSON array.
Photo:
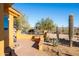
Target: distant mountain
[{"x": 65, "y": 29}]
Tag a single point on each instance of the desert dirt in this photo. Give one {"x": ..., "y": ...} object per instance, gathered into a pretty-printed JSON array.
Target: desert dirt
[{"x": 25, "y": 48}]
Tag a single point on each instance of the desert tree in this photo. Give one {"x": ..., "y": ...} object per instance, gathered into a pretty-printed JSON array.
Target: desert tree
[
  {"x": 45, "y": 24},
  {"x": 21, "y": 23}
]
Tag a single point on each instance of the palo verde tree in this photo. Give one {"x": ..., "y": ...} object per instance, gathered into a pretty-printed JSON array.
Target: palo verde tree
[
  {"x": 45, "y": 24},
  {"x": 21, "y": 23}
]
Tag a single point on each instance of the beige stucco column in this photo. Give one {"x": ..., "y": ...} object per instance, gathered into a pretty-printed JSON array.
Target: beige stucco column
[
  {"x": 1, "y": 29},
  {"x": 11, "y": 42}
]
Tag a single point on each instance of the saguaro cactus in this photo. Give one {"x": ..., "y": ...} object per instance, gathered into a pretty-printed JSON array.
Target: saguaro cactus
[
  {"x": 57, "y": 31},
  {"x": 62, "y": 29},
  {"x": 71, "y": 29}
]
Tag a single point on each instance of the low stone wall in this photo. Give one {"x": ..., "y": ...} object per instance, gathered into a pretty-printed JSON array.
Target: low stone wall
[
  {"x": 59, "y": 50},
  {"x": 26, "y": 36}
]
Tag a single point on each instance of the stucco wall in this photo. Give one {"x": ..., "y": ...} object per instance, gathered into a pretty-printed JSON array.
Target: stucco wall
[
  {"x": 25, "y": 36},
  {"x": 6, "y": 40},
  {"x": 1, "y": 30}
]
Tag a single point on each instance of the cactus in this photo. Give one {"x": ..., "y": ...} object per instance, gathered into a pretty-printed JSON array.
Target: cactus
[
  {"x": 62, "y": 29},
  {"x": 57, "y": 31},
  {"x": 71, "y": 29}
]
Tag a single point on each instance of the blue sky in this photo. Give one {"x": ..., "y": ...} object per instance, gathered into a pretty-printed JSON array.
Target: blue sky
[{"x": 57, "y": 12}]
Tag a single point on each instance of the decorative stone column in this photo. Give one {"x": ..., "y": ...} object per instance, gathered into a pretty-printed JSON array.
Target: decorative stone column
[
  {"x": 11, "y": 41},
  {"x": 1, "y": 29}
]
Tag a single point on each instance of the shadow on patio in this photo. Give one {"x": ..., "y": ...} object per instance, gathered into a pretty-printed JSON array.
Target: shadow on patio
[{"x": 10, "y": 52}]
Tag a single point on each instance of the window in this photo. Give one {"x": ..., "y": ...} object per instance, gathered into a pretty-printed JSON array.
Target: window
[{"x": 5, "y": 22}]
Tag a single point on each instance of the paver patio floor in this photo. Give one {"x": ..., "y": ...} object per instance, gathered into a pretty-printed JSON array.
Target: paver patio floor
[{"x": 25, "y": 49}]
